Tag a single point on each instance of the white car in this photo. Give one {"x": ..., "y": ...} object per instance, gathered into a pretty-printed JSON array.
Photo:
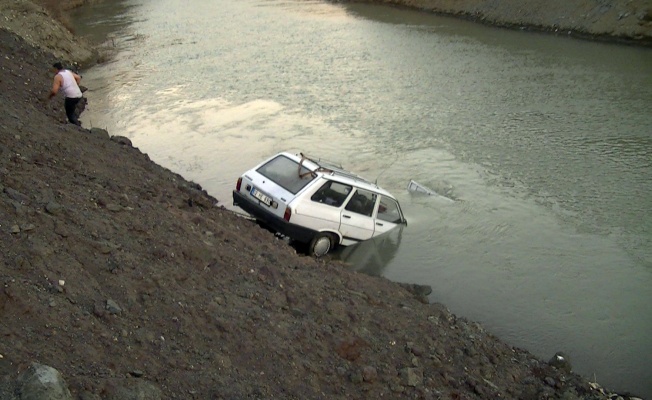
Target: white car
[{"x": 316, "y": 203}]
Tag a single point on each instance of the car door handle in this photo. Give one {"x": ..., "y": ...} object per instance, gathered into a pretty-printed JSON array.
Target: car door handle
[
  {"x": 379, "y": 224},
  {"x": 346, "y": 216}
]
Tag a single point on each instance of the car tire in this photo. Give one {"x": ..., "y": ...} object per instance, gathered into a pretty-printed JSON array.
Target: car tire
[{"x": 321, "y": 244}]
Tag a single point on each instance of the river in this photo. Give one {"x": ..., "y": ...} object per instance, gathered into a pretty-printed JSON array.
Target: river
[{"x": 543, "y": 144}]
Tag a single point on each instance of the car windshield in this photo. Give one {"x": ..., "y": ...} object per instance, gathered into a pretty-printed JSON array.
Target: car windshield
[{"x": 286, "y": 173}]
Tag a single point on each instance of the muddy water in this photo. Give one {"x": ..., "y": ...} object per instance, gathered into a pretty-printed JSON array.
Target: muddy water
[{"x": 543, "y": 143}]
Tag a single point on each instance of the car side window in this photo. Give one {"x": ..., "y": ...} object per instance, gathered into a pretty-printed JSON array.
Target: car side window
[
  {"x": 332, "y": 193},
  {"x": 362, "y": 202},
  {"x": 388, "y": 210}
]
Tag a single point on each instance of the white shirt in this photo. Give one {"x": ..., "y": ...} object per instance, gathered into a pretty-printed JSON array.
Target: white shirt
[{"x": 69, "y": 85}]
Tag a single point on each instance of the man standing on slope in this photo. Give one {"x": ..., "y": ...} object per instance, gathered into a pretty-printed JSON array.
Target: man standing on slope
[{"x": 67, "y": 81}]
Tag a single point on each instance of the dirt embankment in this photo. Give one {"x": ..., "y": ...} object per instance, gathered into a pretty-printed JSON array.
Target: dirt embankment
[
  {"x": 37, "y": 27},
  {"x": 135, "y": 284},
  {"x": 627, "y": 21}
]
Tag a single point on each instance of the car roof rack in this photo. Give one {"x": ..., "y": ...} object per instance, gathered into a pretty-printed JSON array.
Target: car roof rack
[{"x": 336, "y": 169}]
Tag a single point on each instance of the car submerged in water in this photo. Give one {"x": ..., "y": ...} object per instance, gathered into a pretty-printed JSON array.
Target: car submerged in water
[{"x": 315, "y": 202}]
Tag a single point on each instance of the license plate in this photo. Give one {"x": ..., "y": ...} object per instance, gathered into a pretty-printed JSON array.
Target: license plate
[{"x": 263, "y": 198}]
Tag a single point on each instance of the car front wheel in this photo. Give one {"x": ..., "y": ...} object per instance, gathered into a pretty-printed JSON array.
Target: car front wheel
[{"x": 321, "y": 244}]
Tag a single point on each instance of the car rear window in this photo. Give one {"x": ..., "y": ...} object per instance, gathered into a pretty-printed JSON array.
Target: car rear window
[{"x": 285, "y": 173}]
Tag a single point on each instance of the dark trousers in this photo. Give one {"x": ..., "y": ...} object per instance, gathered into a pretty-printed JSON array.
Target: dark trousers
[{"x": 71, "y": 104}]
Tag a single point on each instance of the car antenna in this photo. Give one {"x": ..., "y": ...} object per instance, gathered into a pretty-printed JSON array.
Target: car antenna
[{"x": 386, "y": 168}]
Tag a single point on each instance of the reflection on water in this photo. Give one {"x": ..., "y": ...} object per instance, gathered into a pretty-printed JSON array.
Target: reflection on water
[
  {"x": 544, "y": 143},
  {"x": 373, "y": 255}
]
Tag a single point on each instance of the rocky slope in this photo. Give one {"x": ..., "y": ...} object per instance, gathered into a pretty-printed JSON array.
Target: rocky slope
[
  {"x": 134, "y": 283},
  {"x": 36, "y": 26},
  {"x": 628, "y": 21}
]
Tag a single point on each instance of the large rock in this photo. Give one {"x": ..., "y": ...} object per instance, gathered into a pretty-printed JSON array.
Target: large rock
[
  {"x": 561, "y": 362},
  {"x": 41, "y": 382}
]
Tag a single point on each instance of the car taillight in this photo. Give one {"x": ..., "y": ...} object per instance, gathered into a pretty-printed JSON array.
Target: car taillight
[
  {"x": 287, "y": 214},
  {"x": 238, "y": 184}
]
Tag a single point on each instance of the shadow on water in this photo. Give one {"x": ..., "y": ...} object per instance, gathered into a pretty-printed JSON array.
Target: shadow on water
[{"x": 99, "y": 22}]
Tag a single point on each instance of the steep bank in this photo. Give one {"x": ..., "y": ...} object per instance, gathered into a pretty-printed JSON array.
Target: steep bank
[
  {"x": 37, "y": 27},
  {"x": 627, "y": 21},
  {"x": 128, "y": 279}
]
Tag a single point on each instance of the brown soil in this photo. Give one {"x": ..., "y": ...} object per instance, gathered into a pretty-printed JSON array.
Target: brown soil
[{"x": 122, "y": 275}]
